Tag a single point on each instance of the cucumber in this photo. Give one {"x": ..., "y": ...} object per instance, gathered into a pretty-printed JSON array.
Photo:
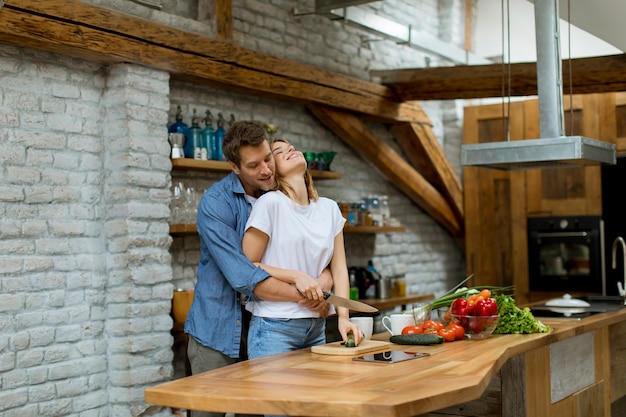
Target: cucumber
[
  {"x": 416, "y": 339},
  {"x": 350, "y": 343}
]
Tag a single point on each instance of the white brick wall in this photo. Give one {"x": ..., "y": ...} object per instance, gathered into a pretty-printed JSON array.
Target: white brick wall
[{"x": 85, "y": 276}]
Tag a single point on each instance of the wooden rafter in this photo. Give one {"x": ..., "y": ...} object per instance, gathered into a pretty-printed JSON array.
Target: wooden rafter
[
  {"x": 423, "y": 151},
  {"x": 588, "y": 75}
]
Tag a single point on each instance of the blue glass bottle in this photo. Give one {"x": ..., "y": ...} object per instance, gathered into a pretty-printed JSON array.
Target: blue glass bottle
[
  {"x": 208, "y": 136},
  {"x": 180, "y": 127},
  {"x": 194, "y": 135},
  {"x": 219, "y": 137}
]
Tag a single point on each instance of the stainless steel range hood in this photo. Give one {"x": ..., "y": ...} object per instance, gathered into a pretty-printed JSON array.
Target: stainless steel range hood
[
  {"x": 553, "y": 149},
  {"x": 560, "y": 152}
]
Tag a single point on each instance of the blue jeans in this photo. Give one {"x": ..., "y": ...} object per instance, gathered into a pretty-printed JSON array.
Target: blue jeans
[{"x": 268, "y": 336}]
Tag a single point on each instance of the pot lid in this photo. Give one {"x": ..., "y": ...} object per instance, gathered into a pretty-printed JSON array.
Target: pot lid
[{"x": 567, "y": 302}]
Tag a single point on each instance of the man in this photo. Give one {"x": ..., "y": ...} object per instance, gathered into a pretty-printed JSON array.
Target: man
[{"x": 217, "y": 321}]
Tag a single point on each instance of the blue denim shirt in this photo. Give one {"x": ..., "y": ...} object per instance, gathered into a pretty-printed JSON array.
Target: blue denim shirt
[{"x": 214, "y": 318}]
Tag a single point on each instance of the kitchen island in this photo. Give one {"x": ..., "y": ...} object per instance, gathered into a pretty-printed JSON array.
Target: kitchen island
[{"x": 578, "y": 369}]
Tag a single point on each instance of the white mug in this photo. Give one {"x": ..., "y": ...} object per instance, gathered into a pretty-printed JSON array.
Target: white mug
[
  {"x": 396, "y": 322},
  {"x": 366, "y": 324}
]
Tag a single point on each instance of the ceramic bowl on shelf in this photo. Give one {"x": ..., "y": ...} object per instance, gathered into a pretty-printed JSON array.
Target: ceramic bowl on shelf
[
  {"x": 326, "y": 158},
  {"x": 476, "y": 327},
  {"x": 311, "y": 160}
]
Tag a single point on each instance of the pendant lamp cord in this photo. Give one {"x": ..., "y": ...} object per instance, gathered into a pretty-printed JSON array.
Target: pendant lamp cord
[
  {"x": 569, "y": 64},
  {"x": 506, "y": 72}
]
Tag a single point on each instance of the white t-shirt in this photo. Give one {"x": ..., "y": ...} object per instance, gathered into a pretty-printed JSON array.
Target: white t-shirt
[{"x": 300, "y": 238}]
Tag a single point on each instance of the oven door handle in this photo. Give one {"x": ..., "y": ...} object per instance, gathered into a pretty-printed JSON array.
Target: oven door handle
[{"x": 562, "y": 234}]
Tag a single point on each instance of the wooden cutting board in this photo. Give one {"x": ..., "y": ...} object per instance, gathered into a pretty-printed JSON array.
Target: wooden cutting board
[{"x": 336, "y": 348}]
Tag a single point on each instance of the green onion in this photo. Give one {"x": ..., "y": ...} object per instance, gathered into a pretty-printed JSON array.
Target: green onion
[{"x": 463, "y": 292}]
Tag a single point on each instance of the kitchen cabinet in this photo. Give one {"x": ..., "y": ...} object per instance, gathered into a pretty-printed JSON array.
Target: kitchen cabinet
[
  {"x": 494, "y": 201},
  {"x": 571, "y": 191},
  {"x": 612, "y": 108}
]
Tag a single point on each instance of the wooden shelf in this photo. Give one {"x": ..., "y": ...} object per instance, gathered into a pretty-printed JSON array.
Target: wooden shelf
[
  {"x": 183, "y": 229},
  {"x": 324, "y": 175},
  {"x": 388, "y": 303},
  {"x": 189, "y": 164},
  {"x": 223, "y": 166},
  {"x": 190, "y": 228},
  {"x": 199, "y": 165},
  {"x": 374, "y": 229}
]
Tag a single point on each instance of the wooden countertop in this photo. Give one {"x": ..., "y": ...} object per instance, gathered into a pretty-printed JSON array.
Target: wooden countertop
[{"x": 303, "y": 383}]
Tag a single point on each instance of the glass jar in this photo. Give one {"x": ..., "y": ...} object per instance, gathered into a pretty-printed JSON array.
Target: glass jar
[
  {"x": 384, "y": 209},
  {"x": 398, "y": 286},
  {"x": 353, "y": 214}
]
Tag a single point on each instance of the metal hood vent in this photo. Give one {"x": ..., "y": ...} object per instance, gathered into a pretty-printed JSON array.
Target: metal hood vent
[
  {"x": 561, "y": 152},
  {"x": 553, "y": 149}
]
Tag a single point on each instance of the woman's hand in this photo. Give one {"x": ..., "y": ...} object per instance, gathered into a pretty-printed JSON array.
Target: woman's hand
[{"x": 346, "y": 326}]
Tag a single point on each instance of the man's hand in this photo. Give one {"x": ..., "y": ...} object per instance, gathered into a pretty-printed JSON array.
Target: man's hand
[
  {"x": 318, "y": 306},
  {"x": 326, "y": 280}
]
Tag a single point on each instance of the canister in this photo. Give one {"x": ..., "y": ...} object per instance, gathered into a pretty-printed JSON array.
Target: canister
[{"x": 384, "y": 288}]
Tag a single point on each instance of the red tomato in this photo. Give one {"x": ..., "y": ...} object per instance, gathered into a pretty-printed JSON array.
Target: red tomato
[
  {"x": 486, "y": 307},
  {"x": 448, "y": 335},
  {"x": 412, "y": 330},
  {"x": 429, "y": 330},
  {"x": 459, "y": 307},
  {"x": 432, "y": 324},
  {"x": 459, "y": 331}
]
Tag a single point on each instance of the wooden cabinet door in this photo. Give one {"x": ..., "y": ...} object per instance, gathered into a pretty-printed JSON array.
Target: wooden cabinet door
[
  {"x": 494, "y": 201},
  {"x": 566, "y": 191},
  {"x": 613, "y": 120}
]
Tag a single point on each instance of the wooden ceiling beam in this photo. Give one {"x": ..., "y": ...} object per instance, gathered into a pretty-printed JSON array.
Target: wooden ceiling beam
[
  {"x": 588, "y": 75},
  {"x": 423, "y": 151},
  {"x": 79, "y": 29}
]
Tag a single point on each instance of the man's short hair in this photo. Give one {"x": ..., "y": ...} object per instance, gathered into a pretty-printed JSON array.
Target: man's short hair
[{"x": 242, "y": 133}]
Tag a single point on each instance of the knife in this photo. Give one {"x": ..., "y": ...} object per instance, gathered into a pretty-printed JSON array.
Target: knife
[{"x": 348, "y": 303}]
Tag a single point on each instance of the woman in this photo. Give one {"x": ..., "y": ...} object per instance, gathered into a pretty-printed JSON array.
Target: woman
[{"x": 293, "y": 234}]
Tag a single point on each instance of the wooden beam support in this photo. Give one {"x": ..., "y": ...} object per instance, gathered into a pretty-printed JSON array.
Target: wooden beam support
[
  {"x": 74, "y": 28},
  {"x": 224, "y": 19},
  {"x": 423, "y": 151},
  {"x": 589, "y": 75},
  {"x": 356, "y": 134}
]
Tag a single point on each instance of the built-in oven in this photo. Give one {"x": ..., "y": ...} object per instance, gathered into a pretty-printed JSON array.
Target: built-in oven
[{"x": 566, "y": 254}]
